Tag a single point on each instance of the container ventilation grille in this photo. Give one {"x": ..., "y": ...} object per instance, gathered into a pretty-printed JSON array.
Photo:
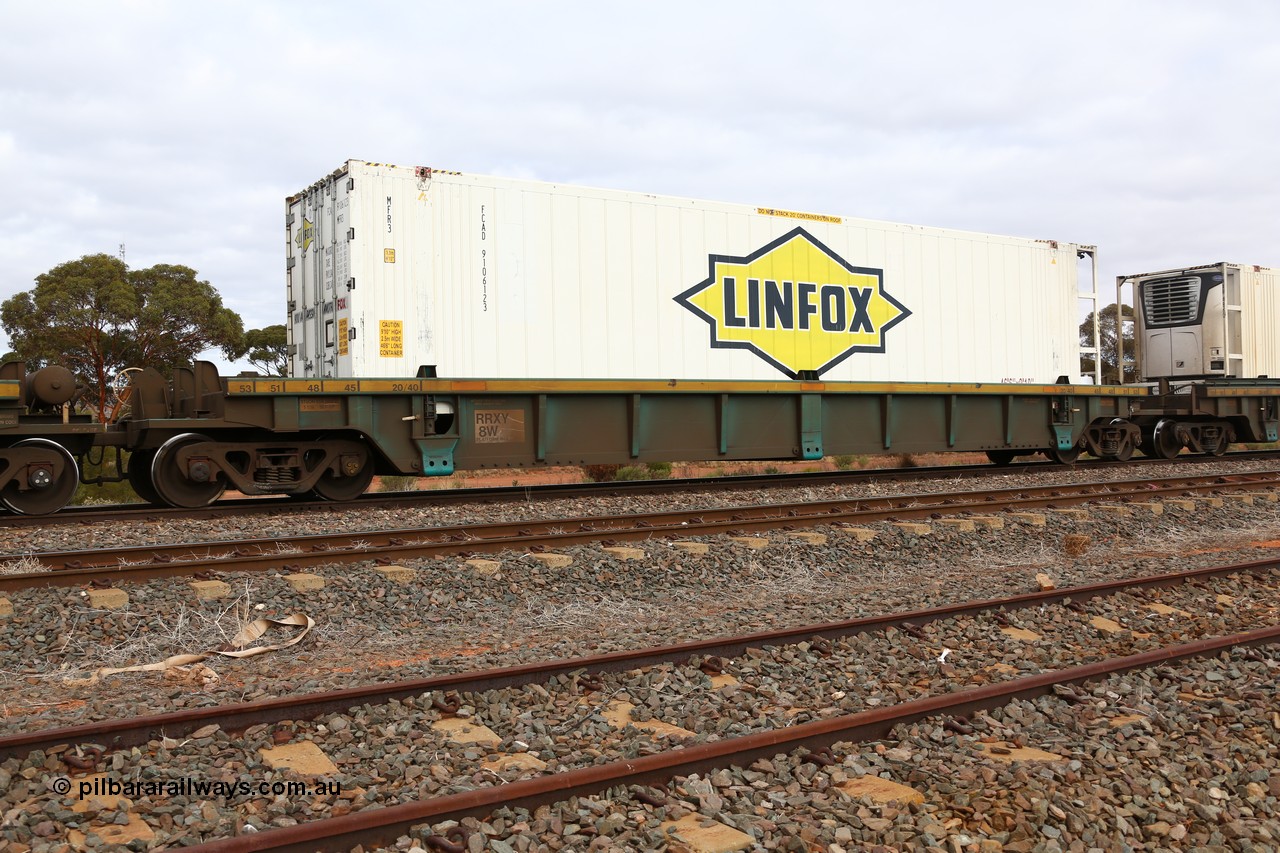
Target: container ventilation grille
[{"x": 1170, "y": 301}]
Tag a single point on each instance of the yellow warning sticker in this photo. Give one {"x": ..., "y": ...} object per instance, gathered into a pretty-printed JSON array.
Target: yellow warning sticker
[
  {"x": 391, "y": 338},
  {"x": 794, "y": 214},
  {"x": 342, "y": 336},
  {"x": 388, "y": 256}
]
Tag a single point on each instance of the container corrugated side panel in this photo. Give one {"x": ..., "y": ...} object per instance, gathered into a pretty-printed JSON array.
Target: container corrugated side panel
[
  {"x": 581, "y": 262},
  {"x": 570, "y": 282},
  {"x": 1260, "y": 304}
]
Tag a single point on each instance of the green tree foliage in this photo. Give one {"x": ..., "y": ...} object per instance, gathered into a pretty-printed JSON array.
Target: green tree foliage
[
  {"x": 1108, "y": 331},
  {"x": 96, "y": 317},
  {"x": 267, "y": 350}
]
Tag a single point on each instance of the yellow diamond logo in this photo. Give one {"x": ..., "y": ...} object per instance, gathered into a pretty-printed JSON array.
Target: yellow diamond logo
[
  {"x": 305, "y": 235},
  {"x": 796, "y": 304}
]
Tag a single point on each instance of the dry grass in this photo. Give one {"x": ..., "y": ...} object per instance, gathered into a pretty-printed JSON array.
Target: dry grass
[
  {"x": 1176, "y": 538},
  {"x": 153, "y": 639},
  {"x": 25, "y": 564},
  {"x": 790, "y": 579}
]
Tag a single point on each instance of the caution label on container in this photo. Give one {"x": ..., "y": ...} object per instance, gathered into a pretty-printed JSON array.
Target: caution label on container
[
  {"x": 343, "y": 349},
  {"x": 795, "y": 214},
  {"x": 796, "y": 304},
  {"x": 391, "y": 338}
]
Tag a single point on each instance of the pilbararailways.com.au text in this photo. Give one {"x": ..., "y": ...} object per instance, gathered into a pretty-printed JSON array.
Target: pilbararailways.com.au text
[{"x": 205, "y": 788}]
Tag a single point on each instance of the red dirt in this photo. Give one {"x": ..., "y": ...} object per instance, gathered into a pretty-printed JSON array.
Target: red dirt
[{"x": 693, "y": 470}]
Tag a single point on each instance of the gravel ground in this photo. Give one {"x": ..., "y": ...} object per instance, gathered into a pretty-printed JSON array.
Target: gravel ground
[
  {"x": 1165, "y": 759},
  {"x": 453, "y": 618},
  {"x": 25, "y": 541},
  {"x": 389, "y": 753}
]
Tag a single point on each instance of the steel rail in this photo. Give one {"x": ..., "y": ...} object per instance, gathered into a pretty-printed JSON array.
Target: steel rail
[
  {"x": 283, "y": 505},
  {"x": 381, "y": 827},
  {"x": 288, "y": 505},
  {"x": 157, "y": 561},
  {"x": 114, "y": 734}
]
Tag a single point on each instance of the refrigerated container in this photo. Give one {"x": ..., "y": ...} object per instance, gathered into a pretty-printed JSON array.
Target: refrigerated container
[
  {"x": 391, "y": 268},
  {"x": 1209, "y": 320}
]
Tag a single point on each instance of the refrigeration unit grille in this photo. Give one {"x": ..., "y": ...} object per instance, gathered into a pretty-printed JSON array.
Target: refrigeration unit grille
[{"x": 1171, "y": 301}]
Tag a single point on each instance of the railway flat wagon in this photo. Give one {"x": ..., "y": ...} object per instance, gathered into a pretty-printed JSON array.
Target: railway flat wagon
[
  {"x": 390, "y": 268},
  {"x": 191, "y": 437}
]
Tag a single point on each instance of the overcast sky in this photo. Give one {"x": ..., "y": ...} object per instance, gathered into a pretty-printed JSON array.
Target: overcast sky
[{"x": 1151, "y": 129}]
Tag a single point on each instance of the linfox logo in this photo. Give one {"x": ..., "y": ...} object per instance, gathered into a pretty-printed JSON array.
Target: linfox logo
[
  {"x": 305, "y": 235},
  {"x": 796, "y": 304}
]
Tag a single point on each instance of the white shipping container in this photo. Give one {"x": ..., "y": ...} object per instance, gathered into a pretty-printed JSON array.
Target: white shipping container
[
  {"x": 390, "y": 268},
  {"x": 1209, "y": 320}
]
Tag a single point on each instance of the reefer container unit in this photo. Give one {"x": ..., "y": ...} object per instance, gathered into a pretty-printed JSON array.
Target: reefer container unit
[
  {"x": 390, "y": 268},
  {"x": 1211, "y": 320}
]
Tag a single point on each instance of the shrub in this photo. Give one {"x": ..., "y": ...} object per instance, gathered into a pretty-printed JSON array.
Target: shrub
[
  {"x": 601, "y": 473},
  {"x": 659, "y": 470},
  {"x": 843, "y": 463}
]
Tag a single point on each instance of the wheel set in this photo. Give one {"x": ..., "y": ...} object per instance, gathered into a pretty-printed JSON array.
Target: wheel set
[{"x": 42, "y": 488}]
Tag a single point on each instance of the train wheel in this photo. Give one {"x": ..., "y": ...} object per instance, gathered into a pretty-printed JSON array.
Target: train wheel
[
  {"x": 1001, "y": 457},
  {"x": 140, "y": 476},
  {"x": 172, "y": 484},
  {"x": 1125, "y": 447},
  {"x": 47, "y": 494},
  {"x": 1164, "y": 440},
  {"x": 1063, "y": 457},
  {"x": 338, "y": 489}
]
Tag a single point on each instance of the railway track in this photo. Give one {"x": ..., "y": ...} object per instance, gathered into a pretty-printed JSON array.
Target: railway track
[
  {"x": 811, "y": 649},
  {"x": 153, "y": 561},
  {"x": 449, "y": 497},
  {"x": 384, "y": 826}
]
